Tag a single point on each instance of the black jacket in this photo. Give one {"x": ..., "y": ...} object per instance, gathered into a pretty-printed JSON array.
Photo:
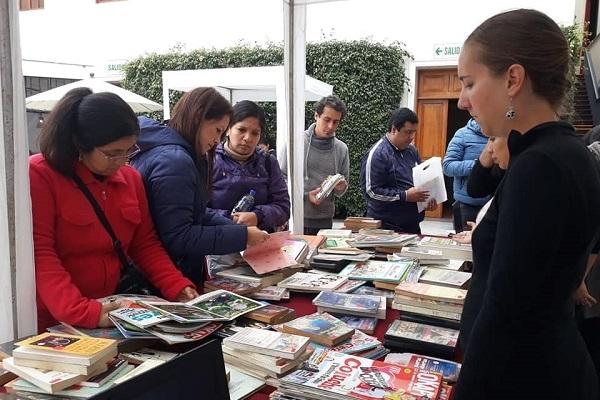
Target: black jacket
[{"x": 530, "y": 253}]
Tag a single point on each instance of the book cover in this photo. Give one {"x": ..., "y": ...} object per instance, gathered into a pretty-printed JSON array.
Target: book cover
[
  {"x": 312, "y": 282},
  {"x": 349, "y": 286},
  {"x": 423, "y": 333},
  {"x": 241, "y": 385},
  {"x": 69, "y": 344},
  {"x": 225, "y": 304},
  {"x": 231, "y": 285},
  {"x": 268, "y": 256},
  {"x": 296, "y": 248},
  {"x": 181, "y": 312},
  {"x": 448, "y": 369},
  {"x": 346, "y": 301},
  {"x": 432, "y": 292},
  {"x": 445, "y": 277},
  {"x": 270, "y": 343},
  {"x": 386, "y": 271},
  {"x": 195, "y": 335},
  {"x": 320, "y": 327},
  {"x": 364, "y": 324}
]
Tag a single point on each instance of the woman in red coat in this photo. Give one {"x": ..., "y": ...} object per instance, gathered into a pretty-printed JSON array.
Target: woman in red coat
[{"x": 92, "y": 135}]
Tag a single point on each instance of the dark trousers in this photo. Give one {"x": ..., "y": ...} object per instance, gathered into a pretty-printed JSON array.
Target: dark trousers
[
  {"x": 462, "y": 213},
  {"x": 402, "y": 229},
  {"x": 590, "y": 330}
]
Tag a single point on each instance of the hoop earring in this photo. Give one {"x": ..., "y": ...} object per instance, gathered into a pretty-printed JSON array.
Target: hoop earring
[{"x": 511, "y": 113}]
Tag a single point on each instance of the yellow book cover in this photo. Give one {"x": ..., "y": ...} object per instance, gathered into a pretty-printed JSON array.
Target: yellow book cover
[{"x": 70, "y": 344}]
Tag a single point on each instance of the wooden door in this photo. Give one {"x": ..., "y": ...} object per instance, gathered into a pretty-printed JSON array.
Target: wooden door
[{"x": 431, "y": 136}]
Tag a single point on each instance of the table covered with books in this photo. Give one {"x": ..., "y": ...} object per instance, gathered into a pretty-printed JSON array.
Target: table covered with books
[{"x": 307, "y": 316}]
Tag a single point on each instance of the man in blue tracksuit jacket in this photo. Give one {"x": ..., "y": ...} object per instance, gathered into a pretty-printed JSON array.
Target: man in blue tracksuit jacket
[
  {"x": 386, "y": 176},
  {"x": 462, "y": 152}
]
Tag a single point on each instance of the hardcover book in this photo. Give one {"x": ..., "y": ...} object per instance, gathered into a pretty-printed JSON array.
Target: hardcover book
[
  {"x": 269, "y": 343},
  {"x": 321, "y": 328}
]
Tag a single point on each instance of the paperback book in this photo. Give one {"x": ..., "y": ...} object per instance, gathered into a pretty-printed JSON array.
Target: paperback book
[
  {"x": 364, "y": 324},
  {"x": 386, "y": 271},
  {"x": 231, "y": 285},
  {"x": 348, "y": 302},
  {"x": 421, "y": 338},
  {"x": 320, "y": 328},
  {"x": 311, "y": 282},
  {"x": 269, "y": 343},
  {"x": 225, "y": 305}
]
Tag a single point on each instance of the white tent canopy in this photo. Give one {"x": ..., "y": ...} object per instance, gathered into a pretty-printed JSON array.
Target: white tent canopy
[
  {"x": 251, "y": 83},
  {"x": 45, "y": 101}
]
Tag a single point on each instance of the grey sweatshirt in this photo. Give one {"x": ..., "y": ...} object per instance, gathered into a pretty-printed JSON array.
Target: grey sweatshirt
[{"x": 322, "y": 157}]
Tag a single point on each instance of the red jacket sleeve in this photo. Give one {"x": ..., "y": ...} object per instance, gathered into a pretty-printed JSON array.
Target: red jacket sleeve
[
  {"x": 148, "y": 253},
  {"x": 54, "y": 286}
]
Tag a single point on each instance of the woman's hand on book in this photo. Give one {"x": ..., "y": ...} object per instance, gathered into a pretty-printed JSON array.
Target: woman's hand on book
[
  {"x": 245, "y": 218},
  {"x": 188, "y": 293},
  {"x": 255, "y": 236},
  {"x": 104, "y": 321},
  {"x": 582, "y": 297}
]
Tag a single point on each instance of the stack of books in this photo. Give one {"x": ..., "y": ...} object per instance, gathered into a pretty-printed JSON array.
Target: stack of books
[
  {"x": 232, "y": 285},
  {"x": 351, "y": 304},
  {"x": 357, "y": 223},
  {"x": 333, "y": 375},
  {"x": 449, "y": 248},
  {"x": 427, "y": 339},
  {"x": 321, "y": 328},
  {"x": 53, "y": 362},
  {"x": 392, "y": 272},
  {"x": 263, "y": 353},
  {"x": 393, "y": 241},
  {"x": 272, "y": 314},
  {"x": 429, "y": 300}
]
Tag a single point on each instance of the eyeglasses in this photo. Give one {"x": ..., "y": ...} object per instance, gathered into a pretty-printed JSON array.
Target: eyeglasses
[{"x": 133, "y": 150}]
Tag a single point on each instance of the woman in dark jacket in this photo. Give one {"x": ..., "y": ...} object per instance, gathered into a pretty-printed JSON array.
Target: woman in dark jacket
[
  {"x": 531, "y": 247},
  {"x": 240, "y": 166},
  {"x": 175, "y": 161}
]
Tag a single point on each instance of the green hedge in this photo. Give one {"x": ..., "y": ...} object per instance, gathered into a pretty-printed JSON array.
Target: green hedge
[{"x": 368, "y": 77}]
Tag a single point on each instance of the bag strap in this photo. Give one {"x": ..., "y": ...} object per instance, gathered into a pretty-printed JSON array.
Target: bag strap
[{"x": 102, "y": 217}]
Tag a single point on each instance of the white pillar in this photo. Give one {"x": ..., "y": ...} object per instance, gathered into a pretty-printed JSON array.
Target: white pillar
[
  {"x": 17, "y": 280},
  {"x": 294, "y": 56}
]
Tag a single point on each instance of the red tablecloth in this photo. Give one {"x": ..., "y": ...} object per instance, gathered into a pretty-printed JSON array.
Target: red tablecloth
[{"x": 302, "y": 303}]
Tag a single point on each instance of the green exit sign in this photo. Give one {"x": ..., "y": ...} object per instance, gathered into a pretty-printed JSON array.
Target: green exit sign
[{"x": 447, "y": 50}]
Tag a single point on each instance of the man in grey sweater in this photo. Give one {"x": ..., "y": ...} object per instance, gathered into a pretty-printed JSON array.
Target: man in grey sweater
[{"x": 324, "y": 155}]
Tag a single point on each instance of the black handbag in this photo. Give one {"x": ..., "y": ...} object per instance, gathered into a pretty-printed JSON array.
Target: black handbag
[{"x": 132, "y": 281}]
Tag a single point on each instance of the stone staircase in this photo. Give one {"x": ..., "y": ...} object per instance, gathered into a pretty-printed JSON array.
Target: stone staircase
[{"x": 582, "y": 118}]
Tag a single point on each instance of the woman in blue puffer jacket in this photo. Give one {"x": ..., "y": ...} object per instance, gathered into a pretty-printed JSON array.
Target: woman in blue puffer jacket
[
  {"x": 175, "y": 161},
  {"x": 240, "y": 166}
]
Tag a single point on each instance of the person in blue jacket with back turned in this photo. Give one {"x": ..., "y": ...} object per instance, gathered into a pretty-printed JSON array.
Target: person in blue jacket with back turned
[
  {"x": 463, "y": 150},
  {"x": 176, "y": 162}
]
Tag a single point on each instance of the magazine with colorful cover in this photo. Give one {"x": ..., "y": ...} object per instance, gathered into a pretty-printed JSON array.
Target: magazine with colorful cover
[
  {"x": 423, "y": 332},
  {"x": 448, "y": 369},
  {"x": 361, "y": 378},
  {"x": 320, "y": 327},
  {"x": 311, "y": 282},
  {"x": 346, "y": 301},
  {"x": 269, "y": 343},
  {"x": 182, "y": 312},
  {"x": 139, "y": 316},
  {"x": 372, "y": 270},
  {"x": 225, "y": 304},
  {"x": 198, "y": 334}
]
